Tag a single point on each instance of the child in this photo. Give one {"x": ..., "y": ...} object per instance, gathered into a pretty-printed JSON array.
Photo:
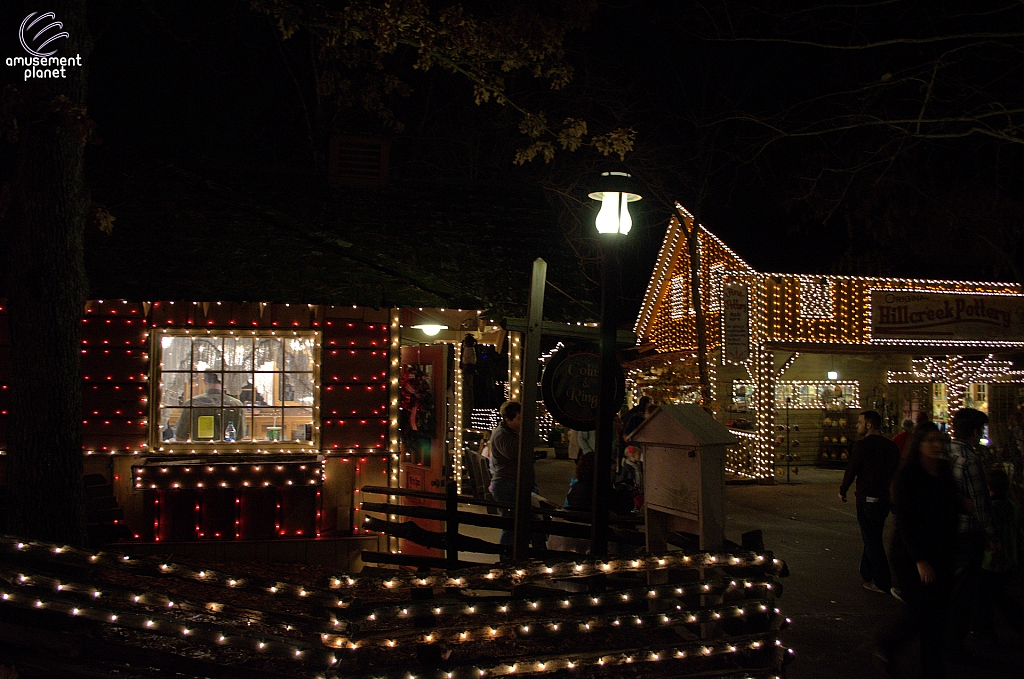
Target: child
[{"x": 998, "y": 567}]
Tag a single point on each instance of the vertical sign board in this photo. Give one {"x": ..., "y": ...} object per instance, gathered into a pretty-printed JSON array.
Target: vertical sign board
[
  {"x": 735, "y": 323},
  {"x": 935, "y": 317}
]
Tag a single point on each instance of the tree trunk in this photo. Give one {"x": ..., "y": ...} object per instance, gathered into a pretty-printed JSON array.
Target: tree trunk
[
  {"x": 698, "y": 310},
  {"x": 47, "y": 292}
]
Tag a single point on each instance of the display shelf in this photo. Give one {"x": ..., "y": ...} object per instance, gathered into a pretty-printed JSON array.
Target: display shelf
[{"x": 838, "y": 431}]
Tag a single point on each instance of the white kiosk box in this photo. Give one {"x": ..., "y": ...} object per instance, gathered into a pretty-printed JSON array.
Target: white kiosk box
[{"x": 683, "y": 450}]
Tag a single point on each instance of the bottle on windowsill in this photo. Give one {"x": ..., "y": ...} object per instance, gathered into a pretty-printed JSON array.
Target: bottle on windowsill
[{"x": 229, "y": 433}]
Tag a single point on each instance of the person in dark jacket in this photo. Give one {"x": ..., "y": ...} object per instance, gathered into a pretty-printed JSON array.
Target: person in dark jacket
[
  {"x": 927, "y": 509},
  {"x": 636, "y": 416},
  {"x": 504, "y": 445},
  {"x": 872, "y": 464}
]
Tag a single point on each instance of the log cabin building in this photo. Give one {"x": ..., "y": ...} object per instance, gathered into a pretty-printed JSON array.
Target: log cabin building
[
  {"x": 793, "y": 358},
  {"x": 252, "y": 357}
]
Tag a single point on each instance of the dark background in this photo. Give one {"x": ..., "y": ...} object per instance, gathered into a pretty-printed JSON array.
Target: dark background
[{"x": 782, "y": 149}]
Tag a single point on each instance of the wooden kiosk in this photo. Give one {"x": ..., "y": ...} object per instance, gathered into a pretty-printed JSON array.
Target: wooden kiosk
[{"x": 683, "y": 450}]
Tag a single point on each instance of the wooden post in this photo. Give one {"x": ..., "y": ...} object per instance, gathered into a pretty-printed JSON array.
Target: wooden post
[
  {"x": 451, "y": 525},
  {"x": 528, "y": 433}
]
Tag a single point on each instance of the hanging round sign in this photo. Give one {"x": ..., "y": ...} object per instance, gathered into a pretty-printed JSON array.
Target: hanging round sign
[{"x": 571, "y": 384}]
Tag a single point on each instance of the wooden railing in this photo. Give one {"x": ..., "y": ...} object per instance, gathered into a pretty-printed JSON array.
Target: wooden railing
[{"x": 546, "y": 521}]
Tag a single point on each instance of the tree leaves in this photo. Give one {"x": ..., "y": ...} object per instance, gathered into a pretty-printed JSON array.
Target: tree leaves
[{"x": 486, "y": 48}]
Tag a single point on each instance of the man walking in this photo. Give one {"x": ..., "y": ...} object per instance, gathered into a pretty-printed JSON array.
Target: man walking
[
  {"x": 873, "y": 463},
  {"x": 505, "y": 462},
  {"x": 976, "y": 529}
]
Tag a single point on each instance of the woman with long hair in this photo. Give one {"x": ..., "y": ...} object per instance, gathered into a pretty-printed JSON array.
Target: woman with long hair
[{"x": 927, "y": 508}]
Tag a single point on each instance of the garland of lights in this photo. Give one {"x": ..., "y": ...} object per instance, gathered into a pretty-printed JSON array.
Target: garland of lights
[
  {"x": 560, "y": 626},
  {"x": 712, "y": 587},
  {"x": 589, "y": 612}
]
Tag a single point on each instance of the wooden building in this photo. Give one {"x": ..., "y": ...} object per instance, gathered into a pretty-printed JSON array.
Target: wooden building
[
  {"x": 234, "y": 428},
  {"x": 792, "y": 358}
]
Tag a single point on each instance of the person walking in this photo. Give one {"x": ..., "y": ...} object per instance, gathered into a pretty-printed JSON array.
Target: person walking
[
  {"x": 976, "y": 530},
  {"x": 872, "y": 463},
  {"x": 927, "y": 507},
  {"x": 504, "y": 445}
]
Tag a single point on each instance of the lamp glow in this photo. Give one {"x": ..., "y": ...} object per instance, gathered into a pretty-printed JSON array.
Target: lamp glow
[
  {"x": 833, "y": 375},
  {"x": 614, "y": 217},
  {"x": 430, "y": 329},
  {"x": 607, "y": 219}
]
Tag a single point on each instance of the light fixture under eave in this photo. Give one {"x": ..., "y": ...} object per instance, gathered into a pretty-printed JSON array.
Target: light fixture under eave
[
  {"x": 615, "y": 195},
  {"x": 430, "y": 329},
  {"x": 833, "y": 375}
]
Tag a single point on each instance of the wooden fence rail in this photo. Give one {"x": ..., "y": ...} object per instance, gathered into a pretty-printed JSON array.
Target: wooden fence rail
[{"x": 546, "y": 521}]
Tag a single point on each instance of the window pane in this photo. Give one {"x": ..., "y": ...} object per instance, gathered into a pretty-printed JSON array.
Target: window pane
[
  {"x": 298, "y": 424},
  {"x": 268, "y": 424},
  {"x": 297, "y": 389},
  {"x": 246, "y": 433},
  {"x": 175, "y": 389},
  {"x": 238, "y": 354},
  {"x": 206, "y": 390},
  {"x": 175, "y": 353},
  {"x": 234, "y": 383},
  {"x": 299, "y": 354},
  {"x": 269, "y": 354},
  {"x": 268, "y": 385},
  {"x": 168, "y": 421},
  {"x": 207, "y": 353}
]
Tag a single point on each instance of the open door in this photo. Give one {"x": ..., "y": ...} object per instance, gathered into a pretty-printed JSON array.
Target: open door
[{"x": 423, "y": 416}]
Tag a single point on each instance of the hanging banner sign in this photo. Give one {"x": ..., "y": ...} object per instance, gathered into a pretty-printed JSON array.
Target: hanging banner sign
[
  {"x": 938, "y": 316},
  {"x": 571, "y": 384},
  {"x": 735, "y": 323}
]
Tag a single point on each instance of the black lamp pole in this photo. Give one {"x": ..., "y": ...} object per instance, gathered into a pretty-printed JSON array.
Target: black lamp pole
[
  {"x": 606, "y": 406},
  {"x": 613, "y": 222}
]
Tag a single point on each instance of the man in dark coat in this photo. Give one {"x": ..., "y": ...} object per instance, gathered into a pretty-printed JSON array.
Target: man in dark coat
[{"x": 873, "y": 464}]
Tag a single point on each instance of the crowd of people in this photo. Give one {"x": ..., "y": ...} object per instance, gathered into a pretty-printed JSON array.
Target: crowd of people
[
  {"x": 957, "y": 542},
  {"x": 626, "y": 471}
]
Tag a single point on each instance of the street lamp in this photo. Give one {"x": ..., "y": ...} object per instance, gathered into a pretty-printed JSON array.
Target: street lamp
[
  {"x": 613, "y": 221},
  {"x": 615, "y": 197}
]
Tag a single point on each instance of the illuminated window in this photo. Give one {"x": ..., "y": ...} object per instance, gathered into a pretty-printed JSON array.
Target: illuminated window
[{"x": 256, "y": 390}]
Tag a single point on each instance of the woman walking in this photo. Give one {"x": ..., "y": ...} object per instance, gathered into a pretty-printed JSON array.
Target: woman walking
[{"x": 923, "y": 550}]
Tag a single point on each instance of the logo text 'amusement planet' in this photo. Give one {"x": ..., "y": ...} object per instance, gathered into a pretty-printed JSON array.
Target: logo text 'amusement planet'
[{"x": 35, "y": 35}]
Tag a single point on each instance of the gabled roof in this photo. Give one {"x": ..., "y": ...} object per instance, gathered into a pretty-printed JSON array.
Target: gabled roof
[
  {"x": 674, "y": 257},
  {"x": 694, "y": 419},
  {"x": 248, "y": 235}
]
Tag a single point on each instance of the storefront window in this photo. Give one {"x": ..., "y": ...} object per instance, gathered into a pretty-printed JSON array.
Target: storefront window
[
  {"x": 803, "y": 395},
  {"x": 977, "y": 397},
  {"x": 215, "y": 388}
]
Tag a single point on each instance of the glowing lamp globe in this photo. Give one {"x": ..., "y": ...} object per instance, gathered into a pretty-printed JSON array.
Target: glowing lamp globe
[
  {"x": 615, "y": 196},
  {"x": 430, "y": 329}
]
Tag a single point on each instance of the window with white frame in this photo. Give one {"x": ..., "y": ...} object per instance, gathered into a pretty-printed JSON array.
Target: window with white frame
[{"x": 223, "y": 388}]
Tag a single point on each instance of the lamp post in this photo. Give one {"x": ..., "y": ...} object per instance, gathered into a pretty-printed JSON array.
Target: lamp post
[{"x": 613, "y": 222}]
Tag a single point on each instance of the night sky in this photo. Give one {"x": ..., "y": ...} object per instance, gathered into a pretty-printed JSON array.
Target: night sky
[{"x": 787, "y": 151}]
